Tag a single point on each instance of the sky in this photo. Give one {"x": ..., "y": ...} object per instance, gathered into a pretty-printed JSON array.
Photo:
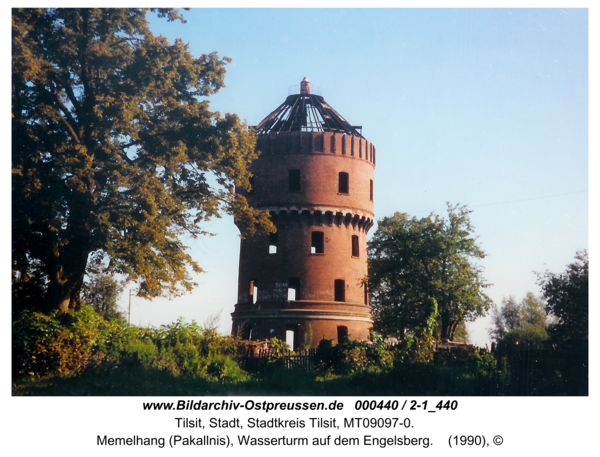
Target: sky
[{"x": 480, "y": 107}]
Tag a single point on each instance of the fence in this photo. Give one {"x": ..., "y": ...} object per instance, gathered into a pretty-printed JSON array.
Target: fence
[
  {"x": 520, "y": 371},
  {"x": 305, "y": 359},
  {"x": 546, "y": 371}
]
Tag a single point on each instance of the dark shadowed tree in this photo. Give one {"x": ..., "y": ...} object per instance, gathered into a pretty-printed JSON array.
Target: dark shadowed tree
[
  {"x": 102, "y": 291},
  {"x": 412, "y": 260},
  {"x": 567, "y": 299},
  {"x": 115, "y": 153}
]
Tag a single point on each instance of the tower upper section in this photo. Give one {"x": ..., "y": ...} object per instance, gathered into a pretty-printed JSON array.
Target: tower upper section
[{"x": 312, "y": 160}]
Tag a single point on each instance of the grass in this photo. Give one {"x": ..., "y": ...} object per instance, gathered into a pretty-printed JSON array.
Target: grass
[{"x": 412, "y": 379}]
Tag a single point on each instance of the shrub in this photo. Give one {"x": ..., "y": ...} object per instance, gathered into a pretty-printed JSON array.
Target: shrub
[
  {"x": 224, "y": 369},
  {"x": 532, "y": 336},
  {"x": 51, "y": 344},
  {"x": 48, "y": 344},
  {"x": 379, "y": 354},
  {"x": 352, "y": 356}
]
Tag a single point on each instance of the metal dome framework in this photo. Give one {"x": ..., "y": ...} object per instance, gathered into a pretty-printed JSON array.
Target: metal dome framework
[{"x": 306, "y": 113}]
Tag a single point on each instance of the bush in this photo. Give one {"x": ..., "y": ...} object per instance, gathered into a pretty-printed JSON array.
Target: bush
[
  {"x": 224, "y": 369},
  {"x": 50, "y": 344},
  {"x": 352, "y": 356},
  {"x": 532, "y": 336}
]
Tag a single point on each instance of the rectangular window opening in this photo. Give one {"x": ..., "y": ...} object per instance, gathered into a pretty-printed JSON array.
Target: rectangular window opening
[
  {"x": 343, "y": 183},
  {"x": 342, "y": 334},
  {"x": 340, "y": 290},
  {"x": 253, "y": 291},
  {"x": 273, "y": 243},
  {"x": 355, "y": 251},
  {"x": 289, "y": 338},
  {"x": 293, "y": 289},
  {"x": 294, "y": 181},
  {"x": 371, "y": 190},
  {"x": 317, "y": 246}
]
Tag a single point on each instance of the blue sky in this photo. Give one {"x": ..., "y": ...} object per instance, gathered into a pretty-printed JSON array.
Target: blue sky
[{"x": 483, "y": 107}]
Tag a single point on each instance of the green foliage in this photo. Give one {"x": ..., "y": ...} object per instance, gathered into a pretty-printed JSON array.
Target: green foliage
[
  {"x": 108, "y": 357},
  {"x": 430, "y": 314},
  {"x": 567, "y": 299},
  {"x": 532, "y": 336},
  {"x": 46, "y": 344},
  {"x": 102, "y": 291},
  {"x": 486, "y": 364},
  {"x": 224, "y": 369},
  {"x": 461, "y": 334},
  {"x": 512, "y": 317},
  {"x": 81, "y": 339},
  {"x": 345, "y": 357},
  {"x": 411, "y": 260},
  {"x": 466, "y": 355},
  {"x": 115, "y": 153},
  {"x": 505, "y": 319},
  {"x": 379, "y": 355},
  {"x": 523, "y": 323},
  {"x": 278, "y": 348},
  {"x": 352, "y": 356}
]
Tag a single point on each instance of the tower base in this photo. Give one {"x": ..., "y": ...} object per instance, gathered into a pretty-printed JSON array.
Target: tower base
[{"x": 302, "y": 323}]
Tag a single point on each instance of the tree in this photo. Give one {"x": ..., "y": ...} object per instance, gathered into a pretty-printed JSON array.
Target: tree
[
  {"x": 115, "y": 153},
  {"x": 505, "y": 319},
  {"x": 523, "y": 322},
  {"x": 567, "y": 300},
  {"x": 102, "y": 292},
  {"x": 412, "y": 260}
]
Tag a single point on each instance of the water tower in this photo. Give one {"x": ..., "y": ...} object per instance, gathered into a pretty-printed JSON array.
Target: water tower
[{"x": 314, "y": 176}]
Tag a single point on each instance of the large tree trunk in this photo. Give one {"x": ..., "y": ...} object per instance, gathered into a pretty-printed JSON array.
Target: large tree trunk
[
  {"x": 445, "y": 327},
  {"x": 66, "y": 278},
  {"x": 453, "y": 328}
]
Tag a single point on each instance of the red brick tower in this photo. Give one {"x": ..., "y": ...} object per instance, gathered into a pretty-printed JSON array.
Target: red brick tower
[{"x": 315, "y": 177}]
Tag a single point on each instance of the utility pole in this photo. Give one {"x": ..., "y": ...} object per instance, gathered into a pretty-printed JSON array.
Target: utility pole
[{"x": 129, "y": 317}]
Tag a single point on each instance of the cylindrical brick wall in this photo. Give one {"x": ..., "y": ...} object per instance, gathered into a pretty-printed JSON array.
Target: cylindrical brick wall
[{"x": 297, "y": 180}]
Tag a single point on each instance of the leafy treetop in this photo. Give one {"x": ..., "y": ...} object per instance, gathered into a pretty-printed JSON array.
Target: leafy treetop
[
  {"x": 115, "y": 152},
  {"x": 523, "y": 322},
  {"x": 411, "y": 260},
  {"x": 567, "y": 299}
]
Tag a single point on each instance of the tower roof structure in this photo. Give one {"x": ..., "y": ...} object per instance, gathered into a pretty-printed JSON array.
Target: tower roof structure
[{"x": 305, "y": 112}]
